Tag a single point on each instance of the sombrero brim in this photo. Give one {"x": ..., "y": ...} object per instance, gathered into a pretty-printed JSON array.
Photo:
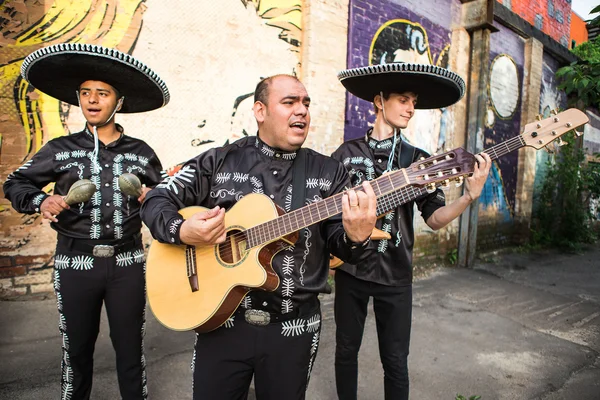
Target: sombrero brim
[
  {"x": 436, "y": 87},
  {"x": 59, "y": 70}
]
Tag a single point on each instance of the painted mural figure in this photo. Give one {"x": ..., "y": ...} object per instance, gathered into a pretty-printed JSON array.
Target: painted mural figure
[
  {"x": 384, "y": 271},
  {"x": 99, "y": 255},
  {"x": 279, "y": 349}
]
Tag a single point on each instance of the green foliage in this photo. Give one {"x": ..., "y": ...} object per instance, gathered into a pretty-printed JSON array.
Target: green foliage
[
  {"x": 461, "y": 397},
  {"x": 452, "y": 256},
  {"x": 563, "y": 218},
  {"x": 581, "y": 79}
]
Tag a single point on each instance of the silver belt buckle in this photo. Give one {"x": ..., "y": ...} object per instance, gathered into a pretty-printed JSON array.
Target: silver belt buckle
[
  {"x": 103, "y": 250},
  {"x": 257, "y": 317}
]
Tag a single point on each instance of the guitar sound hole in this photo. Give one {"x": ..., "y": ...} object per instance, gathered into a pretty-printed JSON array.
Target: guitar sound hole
[{"x": 233, "y": 249}]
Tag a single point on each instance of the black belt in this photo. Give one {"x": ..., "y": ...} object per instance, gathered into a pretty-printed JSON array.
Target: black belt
[
  {"x": 261, "y": 317},
  {"x": 100, "y": 248}
]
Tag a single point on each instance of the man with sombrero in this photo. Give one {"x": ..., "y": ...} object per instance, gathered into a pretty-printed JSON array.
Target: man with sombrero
[
  {"x": 99, "y": 255},
  {"x": 384, "y": 271}
]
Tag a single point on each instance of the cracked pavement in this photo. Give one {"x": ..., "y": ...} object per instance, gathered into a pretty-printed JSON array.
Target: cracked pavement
[{"x": 516, "y": 326}]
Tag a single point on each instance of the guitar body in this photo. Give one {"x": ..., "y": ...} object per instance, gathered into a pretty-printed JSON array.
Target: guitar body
[{"x": 221, "y": 282}]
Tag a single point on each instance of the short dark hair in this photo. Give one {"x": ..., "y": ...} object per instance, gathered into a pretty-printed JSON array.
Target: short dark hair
[
  {"x": 386, "y": 96},
  {"x": 261, "y": 93}
]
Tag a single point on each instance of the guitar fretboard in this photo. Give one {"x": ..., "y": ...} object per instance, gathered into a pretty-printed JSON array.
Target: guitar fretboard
[
  {"x": 390, "y": 201},
  {"x": 316, "y": 212}
]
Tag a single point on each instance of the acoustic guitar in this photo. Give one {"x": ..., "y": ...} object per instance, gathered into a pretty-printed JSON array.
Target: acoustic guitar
[
  {"x": 571, "y": 119},
  {"x": 199, "y": 287}
]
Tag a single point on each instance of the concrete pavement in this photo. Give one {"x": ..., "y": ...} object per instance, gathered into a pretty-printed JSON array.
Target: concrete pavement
[{"x": 517, "y": 326}]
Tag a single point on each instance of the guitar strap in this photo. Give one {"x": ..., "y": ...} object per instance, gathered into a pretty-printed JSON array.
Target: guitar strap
[
  {"x": 299, "y": 183},
  {"x": 299, "y": 179}
]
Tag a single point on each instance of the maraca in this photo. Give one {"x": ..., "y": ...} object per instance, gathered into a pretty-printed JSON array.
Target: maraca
[
  {"x": 130, "y": 185},
  {"x": 80, "y": 192}
]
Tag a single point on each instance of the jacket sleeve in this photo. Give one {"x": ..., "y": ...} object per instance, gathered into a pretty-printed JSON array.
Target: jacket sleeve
[
  {"x": 187, "y": 187},
  {"x": 24, "y": 186},
  {"x": 337, "y": 241}
]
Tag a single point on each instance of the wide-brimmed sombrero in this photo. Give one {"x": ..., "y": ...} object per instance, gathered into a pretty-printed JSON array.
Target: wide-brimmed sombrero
[
  {"x": 60, "y": 69},
  {"x": 436, "y": 87}
]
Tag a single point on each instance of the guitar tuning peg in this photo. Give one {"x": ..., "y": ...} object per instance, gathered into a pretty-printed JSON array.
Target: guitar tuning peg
[
  {"x": 549, "y": 149},
  {"x": 459, "y": 181},
  {"x": 561, "y": 143},
  {"x": 431, "y": 188},
  {"x": 538, "y": 117},
  {"x": 422, "y": 158},
  {"x": 554, "y": 112},
  {"x": 578, "y": 134},
  {"x": 446, "y": 184}
]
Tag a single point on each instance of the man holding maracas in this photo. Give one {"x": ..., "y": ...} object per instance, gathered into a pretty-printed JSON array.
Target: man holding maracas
[{"x": 99, "y": 255}]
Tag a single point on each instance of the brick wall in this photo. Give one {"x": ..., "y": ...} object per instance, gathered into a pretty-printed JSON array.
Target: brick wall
[{"x": 552, "y": 17}]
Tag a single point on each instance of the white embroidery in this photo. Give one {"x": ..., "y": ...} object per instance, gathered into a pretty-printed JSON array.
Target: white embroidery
[
  {"x": 223, "y": 177},
  {"x": 96, "y": 199},
  {"x": 398, "y": 238},
  {"x": 95, "y": 231},
  {"x": 115, "y": 184},
  {"x": 313, "y": 323},
  {"x": 117, "y": 169},
  {"x": 119, "y": 158},
  {"x": 82, "y": 262},
  {"x": 174, "y": 225},
  {"x": 258, "y": 185},
  {"x": 118, "y": 232},
  {"x": 286, "y": 306},
  {"x": 96, "y": 181},
  {"x": 95, "y": 215},
  {"x": 267, "y": 151},
  {"x": 78, "y": 153},
  {"x": 63, "y": 155},
  {"x": 287, "y": 287},
  {"x": 143, "y": 160},
  {"x": 292, "y": 328},
  {"x": 131, "y": 157},
  {"x": 308, "y": 245},
  {"x": 124, "y": 259},
  {"x": 288, "y": 265},
  {"x": 118, "y": 217},
  {"x": 61, "y": 261},
  {"x": 132, "y": 168},
  {"x": 117, "y": 199},
  {"x": 247, "y": 302},
  {"x": 288, "y": 199},
  {"x": 221, "y": 193},
  {"x": 229, "y": 322},
  {"x": 239, "y": 177},
  {"x": 288, "y": 156},
  {"x": 138, "y": 256},
  {"x": 313, "y": 353},
  {"x": 37, "y": 200},
  {"x": 312, "y": 183},
  {"x": 324, "y": 184},
  {"x": 171, "y": 182},
  {"x": 57, "y": 287},
  {"x": 69, "y": 165}
]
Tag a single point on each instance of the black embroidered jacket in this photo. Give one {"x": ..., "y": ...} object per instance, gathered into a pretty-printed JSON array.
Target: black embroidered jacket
[
  {"x": 222, "y": 176},
  {"x": 109, "y": 215},
  {"x": 387, "y": 262}
]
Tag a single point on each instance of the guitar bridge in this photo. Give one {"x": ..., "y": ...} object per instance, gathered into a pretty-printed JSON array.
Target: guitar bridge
[{"x": 190, "y": 262}]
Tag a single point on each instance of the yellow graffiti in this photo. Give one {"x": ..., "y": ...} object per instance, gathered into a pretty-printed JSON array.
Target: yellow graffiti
[
  {"x": 283, "y": 14},
  {"x": 110, "y": 23},
  {"x": 406, "y": 22}
]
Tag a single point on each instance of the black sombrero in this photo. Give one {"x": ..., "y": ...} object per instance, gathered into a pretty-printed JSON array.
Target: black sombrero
[
  {"x": 58, "y": 71},
  {"x": 436, "y": 87}
]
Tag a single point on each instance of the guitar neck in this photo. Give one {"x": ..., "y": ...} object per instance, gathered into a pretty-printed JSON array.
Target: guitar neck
[
  {"x": 318, "y": 211},
  {"x": 390, "y": 201}
]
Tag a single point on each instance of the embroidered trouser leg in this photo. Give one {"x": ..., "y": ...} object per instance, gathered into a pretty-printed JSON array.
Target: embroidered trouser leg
[
  {"x": 280, "y": 355},
  {"x": 393, "y": 310},
  {"x": 125, "y": 301},
  {"x": 82, "y": 283}
]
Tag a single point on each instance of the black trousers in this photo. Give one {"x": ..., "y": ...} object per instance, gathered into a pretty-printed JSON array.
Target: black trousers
[
  {"x": 280, "y": 356},
  {"x": 82, "y": 284},
  {"x": 393, "y": 312}
]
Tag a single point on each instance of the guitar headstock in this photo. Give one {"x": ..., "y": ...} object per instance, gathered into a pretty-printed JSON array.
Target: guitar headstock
[
  {"x": 541, "y": 133},
  {"x": 441, "y": 169}
]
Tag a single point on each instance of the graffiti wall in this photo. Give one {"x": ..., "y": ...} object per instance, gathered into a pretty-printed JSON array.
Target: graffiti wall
[
  {"x": 386, "y": 32},
  {"x": 211, "y": 55},
  {"x": 497, "y": 201},
  {"x": 551, "y": 98}
]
